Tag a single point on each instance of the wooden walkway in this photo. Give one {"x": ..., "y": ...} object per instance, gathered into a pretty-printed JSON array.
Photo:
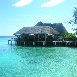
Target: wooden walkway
[{"x": 11, "y": 41}]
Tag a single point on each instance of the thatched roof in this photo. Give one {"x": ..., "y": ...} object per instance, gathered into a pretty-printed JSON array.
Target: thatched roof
[
  {"x": 57, "y": 26},
  {"x": 37, "y": 30},
  {"x": 43, "y": 24}
]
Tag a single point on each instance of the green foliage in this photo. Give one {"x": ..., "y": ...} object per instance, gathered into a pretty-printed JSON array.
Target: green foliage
[
  {"x": 74, "y": 20},
  {"x": 69, "y": 36}
]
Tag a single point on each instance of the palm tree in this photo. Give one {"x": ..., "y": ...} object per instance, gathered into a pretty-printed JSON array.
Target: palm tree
[{"x": 75, "y": 15}]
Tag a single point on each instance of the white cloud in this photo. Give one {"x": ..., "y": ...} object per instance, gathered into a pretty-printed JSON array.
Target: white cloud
[
  {"x": 51, "y": 3},
  {"x": 22, "y": 3}
]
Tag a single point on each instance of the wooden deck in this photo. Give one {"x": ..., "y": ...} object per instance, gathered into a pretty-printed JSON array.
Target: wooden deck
[
  {"x": 45, "y": 43},
  {"x": 42, "y": 43},
  {"x": 11, "y": 41}
]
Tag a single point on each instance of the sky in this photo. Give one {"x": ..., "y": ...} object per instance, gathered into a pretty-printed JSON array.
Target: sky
[{"x": 15, "y": 14}]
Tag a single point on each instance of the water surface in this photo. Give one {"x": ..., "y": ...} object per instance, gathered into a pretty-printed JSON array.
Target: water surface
[{"x": 17, "y": 61}]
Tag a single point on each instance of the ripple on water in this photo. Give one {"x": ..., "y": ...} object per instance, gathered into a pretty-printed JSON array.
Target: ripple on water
[{"x": 16, "y": 61}]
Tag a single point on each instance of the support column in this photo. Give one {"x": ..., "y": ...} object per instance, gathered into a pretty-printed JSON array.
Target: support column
[
  {"x": 8, "y": 41},
  {"x": 24, "y": 42},
  {"x": 55, "y": 42},
  {"x": 66, "y": 43},
  {"x": 75, "y": 44},
  {"x": 33, "y": 43},
  {"x": 69, "y": 43},
  {"x": 11, "y": 42},
  {"x": 45, "y": 39},
  {"x": 44, "y": 43}
]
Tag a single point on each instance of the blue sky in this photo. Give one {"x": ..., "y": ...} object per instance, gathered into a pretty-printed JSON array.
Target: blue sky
[{"x": 15, "y": 14}]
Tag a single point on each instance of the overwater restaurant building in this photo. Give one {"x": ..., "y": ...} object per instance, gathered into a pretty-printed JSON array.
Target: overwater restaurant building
[{"x": 39, "y": 35}]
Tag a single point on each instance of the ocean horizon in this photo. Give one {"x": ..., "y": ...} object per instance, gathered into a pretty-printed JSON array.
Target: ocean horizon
[{"x": 18, "y": 61}]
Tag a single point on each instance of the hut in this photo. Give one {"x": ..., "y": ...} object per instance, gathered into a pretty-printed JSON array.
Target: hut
[
  {"x": 41, "y": 34},
  {"x": 57, "y": 26}
]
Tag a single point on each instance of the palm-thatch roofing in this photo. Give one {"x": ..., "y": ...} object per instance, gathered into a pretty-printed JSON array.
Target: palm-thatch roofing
[
  {"x": 57, "y": 26},
  {"x": 37, "y": 30}
]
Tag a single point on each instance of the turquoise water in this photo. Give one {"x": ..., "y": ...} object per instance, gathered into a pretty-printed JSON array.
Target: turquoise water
[{"x": 16, "y": 61}]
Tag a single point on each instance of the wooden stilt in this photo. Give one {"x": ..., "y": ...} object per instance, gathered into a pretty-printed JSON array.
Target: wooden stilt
[
  {"x": 33, "y": 43},
  {"x": 75, "y": 44},
  {"x": 66, "y": 43},
  {"x": 24, "y": 42},
  {"x": 43, "y": 43},
  {"x": 55, "y": 43},
  {"x": 69, "y": 43},
  {"x": 10, "y": 42}
]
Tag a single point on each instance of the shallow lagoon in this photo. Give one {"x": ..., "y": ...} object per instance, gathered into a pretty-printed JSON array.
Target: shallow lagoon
[{"x": 16, "y": 61}]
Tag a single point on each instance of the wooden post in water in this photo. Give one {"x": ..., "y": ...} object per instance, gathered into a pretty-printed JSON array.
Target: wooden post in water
[
  {"x": 38, "y": 40},
  {"x": 66, "y": 43},
  {"x": 43, "y": 43},
  {"x": 15, "y": 42},
  {"x": 75, "y": 44},
  {"x": 24, "y": 43},
  {"x": 33, "y": 43},
  {"x": 55, "y": 43},
  {"x": 34, "y": 40},
  {"x": 45, "y": 39},
  {"x": 10, "y": 42},
  {"x": 69, "y": 43}
]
